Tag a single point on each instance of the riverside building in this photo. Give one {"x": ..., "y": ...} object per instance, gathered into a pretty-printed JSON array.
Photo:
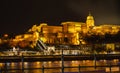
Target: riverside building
[{"x": 70, "y": 32}]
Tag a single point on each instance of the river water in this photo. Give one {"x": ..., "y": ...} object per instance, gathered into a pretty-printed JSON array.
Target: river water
[{"x": 40, "y": 67}]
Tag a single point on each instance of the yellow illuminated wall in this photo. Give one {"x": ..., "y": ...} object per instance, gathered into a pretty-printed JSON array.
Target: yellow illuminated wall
[
  {"x": 51, "y": 34},
  {"x": 72, "y": 30},
  {"x": 69, "y": 32},
  {"x": 110, "y": 46}
]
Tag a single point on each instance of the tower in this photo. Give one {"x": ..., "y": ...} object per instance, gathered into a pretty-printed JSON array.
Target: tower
[{"x": 90, "y": 21}]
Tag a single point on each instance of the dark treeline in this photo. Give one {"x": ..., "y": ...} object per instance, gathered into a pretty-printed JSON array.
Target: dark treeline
[{"x": 107, "y": 38}]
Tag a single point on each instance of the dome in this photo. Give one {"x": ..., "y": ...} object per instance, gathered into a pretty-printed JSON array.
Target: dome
[{"x": 90, "y": 17}]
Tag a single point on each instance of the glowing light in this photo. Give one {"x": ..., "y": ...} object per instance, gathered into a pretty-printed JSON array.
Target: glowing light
[
  {"x": 25, "y": 63},
  {"x": 1, "y": 65},
  {"x": 37, "y": 63},
  {"x": 50, "y": 62},
  {"x": 12, "y": 64},
  {"x": 5, "y": 35}
]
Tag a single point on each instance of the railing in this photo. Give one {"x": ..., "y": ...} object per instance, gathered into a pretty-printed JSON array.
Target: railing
[
  {"x": 5, "y": 70},
  {"x": 79, "y": 67},
  {"x": 58, "y": 57}
]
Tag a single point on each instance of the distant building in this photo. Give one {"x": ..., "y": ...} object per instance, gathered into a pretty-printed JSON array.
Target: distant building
[{"x": 68, "y": 32}]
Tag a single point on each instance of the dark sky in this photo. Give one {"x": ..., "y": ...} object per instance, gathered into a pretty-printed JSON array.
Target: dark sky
[{"x": 17, "y": 16}]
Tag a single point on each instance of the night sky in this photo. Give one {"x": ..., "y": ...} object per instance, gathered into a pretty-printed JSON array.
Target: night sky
[{"x": 17, "y": 16}]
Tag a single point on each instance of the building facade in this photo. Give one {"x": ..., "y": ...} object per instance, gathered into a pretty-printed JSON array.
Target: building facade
[
  {"x": 71, "y": 33},
  {"x": 66, "y": 33}
]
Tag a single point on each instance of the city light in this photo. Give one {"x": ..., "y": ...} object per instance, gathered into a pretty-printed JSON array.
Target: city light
[{"x": 68, "y": 33}]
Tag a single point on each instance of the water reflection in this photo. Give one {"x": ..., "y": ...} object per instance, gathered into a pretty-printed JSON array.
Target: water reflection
[{"x": 36, "y": 67}]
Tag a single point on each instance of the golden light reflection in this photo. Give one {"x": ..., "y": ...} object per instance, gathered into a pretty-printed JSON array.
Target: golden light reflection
[
  {"x": 26, "y": 63},
  {"x": 83, "y": 61},
  {"x": 49, "y": 62},
  {"x": 116, "y": 60},
  {"x": 13, "y": 64},
  {"x": 38, "y": 63},
  {"x": 1, "y": 64}
]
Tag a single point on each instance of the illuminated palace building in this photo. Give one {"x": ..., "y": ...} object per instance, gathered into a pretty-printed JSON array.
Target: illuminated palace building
[
  {"x": 66, "y": 33},
  {"x": 69, "y": 32}
]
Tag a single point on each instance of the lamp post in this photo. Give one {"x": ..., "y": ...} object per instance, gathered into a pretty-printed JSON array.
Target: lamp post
[{"x": 62, "y": 60}]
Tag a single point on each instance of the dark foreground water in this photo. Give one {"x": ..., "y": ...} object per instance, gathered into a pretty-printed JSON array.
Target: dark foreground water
[{"x": 55, "y": 67}]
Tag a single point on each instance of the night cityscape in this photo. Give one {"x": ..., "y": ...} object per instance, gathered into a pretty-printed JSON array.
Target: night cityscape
[{"x": 60, "y": 36}]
